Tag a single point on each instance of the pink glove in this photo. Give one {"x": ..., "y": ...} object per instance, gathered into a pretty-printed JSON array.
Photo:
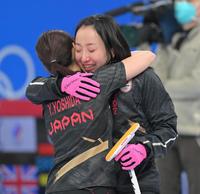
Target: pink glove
[
  {"x": 80, "y": 86},
  {"x": 131, "y": 156}
]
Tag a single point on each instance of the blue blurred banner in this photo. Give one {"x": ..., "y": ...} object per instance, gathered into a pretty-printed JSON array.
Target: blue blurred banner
[
  {"x": 23, "y": 21},
  {"x": 18, "y": 135}
]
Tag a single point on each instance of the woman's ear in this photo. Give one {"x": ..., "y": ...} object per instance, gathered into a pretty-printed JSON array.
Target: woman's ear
[
  {"x": 112, "y": 53},
  {"x": 111, "y": 56},
  {"x": 73, "y": 52}
]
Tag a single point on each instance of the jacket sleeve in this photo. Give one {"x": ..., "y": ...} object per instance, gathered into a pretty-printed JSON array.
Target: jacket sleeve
[
  {"x": 181, "y": 70},
  {"x": 42, "y": 89},
  {"x": 184, "y": 88},
  {"x": 160, "y": 114}
]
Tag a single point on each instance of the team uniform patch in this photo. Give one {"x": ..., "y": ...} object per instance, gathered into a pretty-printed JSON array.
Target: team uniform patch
[{"x": 127, "y": 87}]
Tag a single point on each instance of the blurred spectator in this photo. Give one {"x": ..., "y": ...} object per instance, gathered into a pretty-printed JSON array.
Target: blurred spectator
[
  {"x": 178, "y": 65},
  {"x": 159, "y": 25},
  {"x": 163, "y": 18}
]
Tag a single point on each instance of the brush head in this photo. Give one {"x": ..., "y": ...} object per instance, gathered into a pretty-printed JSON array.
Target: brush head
[{"x": 122, "y": 142}]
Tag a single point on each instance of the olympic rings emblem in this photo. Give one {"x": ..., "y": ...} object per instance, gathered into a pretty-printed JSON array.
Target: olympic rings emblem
[{"x": 6, "y": 86}]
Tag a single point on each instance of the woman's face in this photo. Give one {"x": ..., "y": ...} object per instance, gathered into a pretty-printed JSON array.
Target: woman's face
[{"x": 90, "y": 51}]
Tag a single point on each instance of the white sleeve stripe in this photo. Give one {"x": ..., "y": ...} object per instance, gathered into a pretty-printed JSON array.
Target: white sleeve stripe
[
  {"x": 160, "y": 143},
  {"x": 37, "y": 83}
]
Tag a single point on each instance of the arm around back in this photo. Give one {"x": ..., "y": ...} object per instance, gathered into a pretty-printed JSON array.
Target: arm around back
[{"x": 137, "y": 63}]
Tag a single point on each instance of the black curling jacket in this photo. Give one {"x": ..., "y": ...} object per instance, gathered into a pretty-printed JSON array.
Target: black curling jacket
[
  {"x": 145, "y": 100},
  {"x": 81, "y": 132}
]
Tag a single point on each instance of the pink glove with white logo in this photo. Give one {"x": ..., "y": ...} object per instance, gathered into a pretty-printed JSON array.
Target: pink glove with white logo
[
  {"x": 80, "y": 86},
  {"x": 131, "y": 156}
]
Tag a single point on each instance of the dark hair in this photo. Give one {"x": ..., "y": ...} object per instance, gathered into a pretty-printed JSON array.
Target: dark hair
[
  {"x": 110, "y": 33},
  {"x": 54, "y": 48}
]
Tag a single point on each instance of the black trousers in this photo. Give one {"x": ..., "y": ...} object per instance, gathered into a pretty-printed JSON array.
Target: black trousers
[{"x": 93, "y": 190}]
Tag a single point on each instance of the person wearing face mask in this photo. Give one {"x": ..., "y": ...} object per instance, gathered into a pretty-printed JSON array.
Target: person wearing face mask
[{"x": 178, "y": 65}]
